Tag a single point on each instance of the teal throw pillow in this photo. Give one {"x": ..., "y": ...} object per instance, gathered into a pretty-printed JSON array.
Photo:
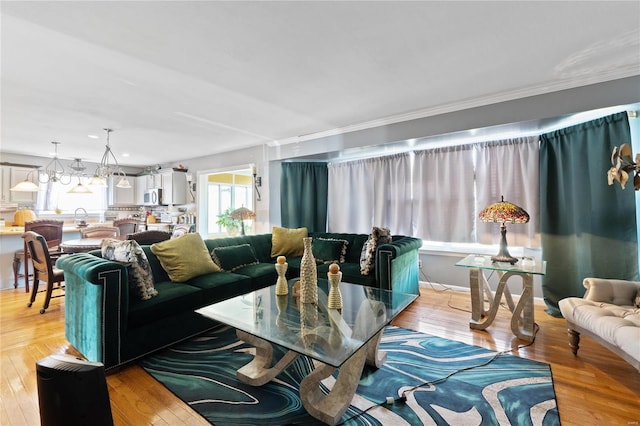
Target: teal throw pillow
[
  {"x": 329, "y": 250},
  {"x": 231, "y": 258}
]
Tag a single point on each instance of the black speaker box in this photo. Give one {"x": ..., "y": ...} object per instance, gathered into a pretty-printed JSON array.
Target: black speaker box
[{"x": 72, "y": 391}]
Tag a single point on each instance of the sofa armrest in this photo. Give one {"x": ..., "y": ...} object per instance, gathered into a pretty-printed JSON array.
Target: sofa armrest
[
  {"x": 96, "y": 306},
  {"x": 397, "y": 265},
  {"x": 617, "y": 292}
]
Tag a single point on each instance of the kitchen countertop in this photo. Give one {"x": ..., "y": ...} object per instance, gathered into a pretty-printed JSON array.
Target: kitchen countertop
[{"x": 19, "y": 230}]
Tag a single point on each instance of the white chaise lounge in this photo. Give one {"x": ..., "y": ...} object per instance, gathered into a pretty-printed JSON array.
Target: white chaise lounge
[{"x": 609, "y": 314}]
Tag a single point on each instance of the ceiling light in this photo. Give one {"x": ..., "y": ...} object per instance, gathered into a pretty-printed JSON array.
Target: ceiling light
[
  {"x": 26, "y": 185},
  {"x": 54, "y": 171},
  {"x": 79, "y": 188},
  {"x": 77, "y": 166},
  {"x": 109, "y": 168}
]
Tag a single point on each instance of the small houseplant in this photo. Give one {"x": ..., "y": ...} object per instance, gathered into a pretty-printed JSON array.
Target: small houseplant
[{"x": 225, "y": 221}]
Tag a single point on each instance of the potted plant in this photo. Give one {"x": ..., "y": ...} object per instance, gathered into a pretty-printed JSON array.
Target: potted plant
[{"x": 231, "y": 225}]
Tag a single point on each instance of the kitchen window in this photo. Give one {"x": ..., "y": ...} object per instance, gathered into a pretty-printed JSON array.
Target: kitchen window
[{"x": 55, "y": 198}]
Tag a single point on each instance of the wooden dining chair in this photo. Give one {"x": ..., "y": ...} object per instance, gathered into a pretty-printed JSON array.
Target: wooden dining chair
[
  {"x": 51, "y": 230},
  {"x": 100, "y": 232},
  {"x": 127, "y": 226},
  {"x": 42, "y": 267},
  {"x": 149, "y": 237}
]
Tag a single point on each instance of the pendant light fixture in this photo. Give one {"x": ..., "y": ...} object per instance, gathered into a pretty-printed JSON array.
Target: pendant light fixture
[
  {"x": 109, "y": 168},
  {"x": 78, "y": 167},
  {"x": 27, "y": 185},
  {"x": 54, "y": 171}
]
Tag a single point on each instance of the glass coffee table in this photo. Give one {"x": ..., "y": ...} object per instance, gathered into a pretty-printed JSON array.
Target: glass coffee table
[{"x": 335, "y": 339}]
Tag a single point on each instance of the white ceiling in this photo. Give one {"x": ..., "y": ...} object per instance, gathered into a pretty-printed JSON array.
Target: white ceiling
[{"x": 182, "y": 79}]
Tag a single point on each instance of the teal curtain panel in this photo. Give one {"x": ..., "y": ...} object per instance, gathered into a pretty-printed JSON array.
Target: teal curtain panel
[
  {"x": 303, "y": 195},
  {"x": 588, "y": 227}
]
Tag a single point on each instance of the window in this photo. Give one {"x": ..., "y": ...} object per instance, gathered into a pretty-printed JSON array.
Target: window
[
  {"x": 225, "y": 193},
  {"x": 54, "y": 197}
]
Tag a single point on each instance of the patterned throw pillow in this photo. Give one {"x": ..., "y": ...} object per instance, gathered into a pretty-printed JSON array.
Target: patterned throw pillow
[
  {"x": 231, "y": 258},
  {"x": 130, "y": 253},
  {"x": 329, "y": 250},
  {"x": 368, "y": 255}
]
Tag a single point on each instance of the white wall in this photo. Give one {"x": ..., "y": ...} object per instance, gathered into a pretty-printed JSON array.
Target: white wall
[{"x": 527, "y": 115}]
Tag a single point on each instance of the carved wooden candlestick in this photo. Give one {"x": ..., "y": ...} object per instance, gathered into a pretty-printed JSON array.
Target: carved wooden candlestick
[
  {"x": 281, "y": 284},
  {"x": 335, "y": 297}
]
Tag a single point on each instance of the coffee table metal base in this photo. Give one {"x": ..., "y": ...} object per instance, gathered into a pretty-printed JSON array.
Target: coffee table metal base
[{"x": 328, "y": 408}]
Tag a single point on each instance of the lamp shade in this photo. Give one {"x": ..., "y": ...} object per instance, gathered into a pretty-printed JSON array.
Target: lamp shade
[
  {"x": 242, "y": 213},
  {"x": 25, "y": 186},
  {"x": 503, "y": 212},
  {"x": 79, "y": 189}
]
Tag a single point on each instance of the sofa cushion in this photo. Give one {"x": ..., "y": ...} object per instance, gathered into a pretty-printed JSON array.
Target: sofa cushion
[
  {"x": 171, "y": 299},
  {"x": 184, "y": 257},
  {"x": 217, "y": 286},
  {"x": 368, "y": 255},
  {"x": 159, "y": 274},
  {"x": 263, "y": 273},
  {"x": 350, "y": 274},
  {"x": 600, "y": 318},
  {"x": 138, "y": 268},
  {"x": 329, "y": 250},
  {"x": 233, "y": 257},
  {"x": 287, "y": 242}
]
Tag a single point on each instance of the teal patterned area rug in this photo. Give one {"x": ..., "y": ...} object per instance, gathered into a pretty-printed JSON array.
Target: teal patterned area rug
[{"x": 444, "y": 383}]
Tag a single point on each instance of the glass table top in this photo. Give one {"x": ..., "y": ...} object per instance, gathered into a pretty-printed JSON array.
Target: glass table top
[
  {"x": 523, "y": 265},
  {"x": 330, "y": 336}
]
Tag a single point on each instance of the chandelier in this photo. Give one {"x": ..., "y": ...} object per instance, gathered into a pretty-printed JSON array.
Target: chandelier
[
  {"x": 109, "y": 168},
  {"x": 54, "y": 171}
]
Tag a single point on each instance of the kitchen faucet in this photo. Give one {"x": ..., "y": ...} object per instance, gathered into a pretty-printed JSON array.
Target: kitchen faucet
[{"x": 83, "y": 220}]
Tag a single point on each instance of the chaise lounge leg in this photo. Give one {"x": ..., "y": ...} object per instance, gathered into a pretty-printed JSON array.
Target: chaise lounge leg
[{"x": 574, "y": 340}]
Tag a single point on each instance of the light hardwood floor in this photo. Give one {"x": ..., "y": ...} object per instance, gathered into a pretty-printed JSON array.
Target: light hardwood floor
[{"x": 595, "y": 388}]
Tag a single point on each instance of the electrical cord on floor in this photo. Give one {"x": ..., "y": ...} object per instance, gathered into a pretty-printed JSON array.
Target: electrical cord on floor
[{"x": 403, "y": 397}]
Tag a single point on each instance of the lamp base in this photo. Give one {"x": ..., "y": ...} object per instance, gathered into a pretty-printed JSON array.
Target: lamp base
[
  {"x": 503, "y": 255},
  {"x": 504, "y": 258}
]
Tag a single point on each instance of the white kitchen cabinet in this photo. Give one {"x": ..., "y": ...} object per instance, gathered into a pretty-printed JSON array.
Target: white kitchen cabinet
[
  {"x": 174, "y": 188},
  {"x": 172, "y": 183},
  {"x": 122, "y": 196},
  {"x": 150, "y": 181},
  {"x": 11, "y": 176},
  {"x": 141, "y": 187}
]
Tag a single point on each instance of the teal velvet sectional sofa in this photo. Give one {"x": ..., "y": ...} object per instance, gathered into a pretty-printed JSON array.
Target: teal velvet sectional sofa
[{"x": 106, "y": 324}]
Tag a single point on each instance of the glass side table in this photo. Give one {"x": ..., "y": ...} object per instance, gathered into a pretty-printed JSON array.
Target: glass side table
[{"x": 522, "y": 316}]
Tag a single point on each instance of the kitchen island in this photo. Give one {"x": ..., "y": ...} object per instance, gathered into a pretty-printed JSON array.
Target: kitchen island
[{"x": 11, "y": 241}]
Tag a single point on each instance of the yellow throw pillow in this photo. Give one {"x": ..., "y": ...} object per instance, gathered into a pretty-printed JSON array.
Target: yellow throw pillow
[
  {"x": 184, "y": 257},
  {"x": 287, "y": 242}
]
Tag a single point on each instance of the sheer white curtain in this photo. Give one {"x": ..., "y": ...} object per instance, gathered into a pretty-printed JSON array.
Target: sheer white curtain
[
  {"x": 350, "y": 198},
  {"x": 371, "y": 192},
  {"x": 509, "y": 168},
  {"x": 443, "y": 187}
]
